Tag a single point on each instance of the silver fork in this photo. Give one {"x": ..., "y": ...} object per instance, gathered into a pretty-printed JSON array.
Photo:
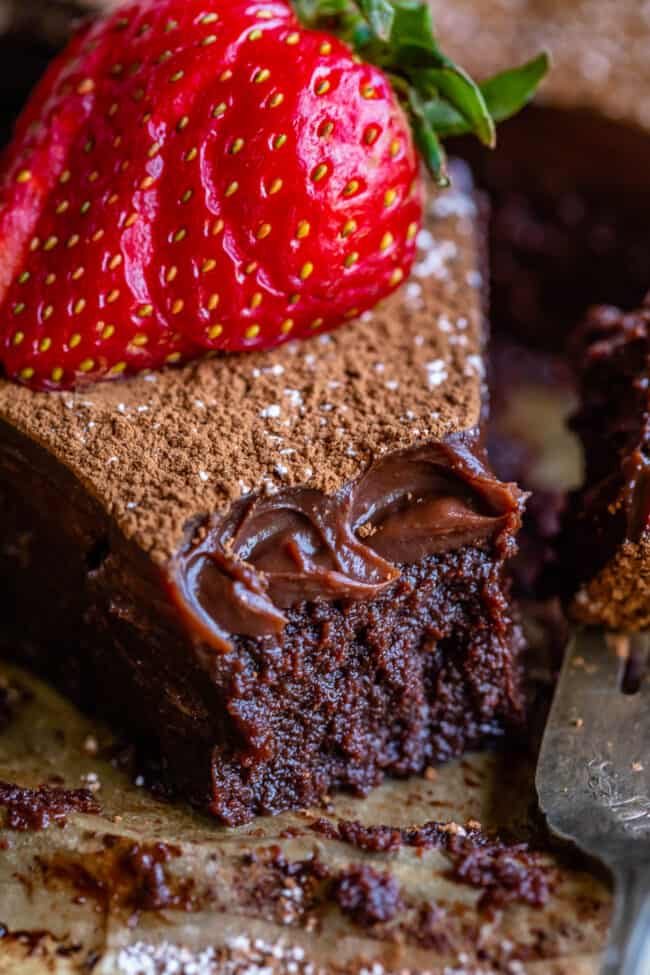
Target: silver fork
[{"x": 593, "y": 777}]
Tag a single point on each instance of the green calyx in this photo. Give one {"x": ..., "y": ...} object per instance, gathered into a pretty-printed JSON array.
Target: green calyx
[{"x": 439, "y": 96}]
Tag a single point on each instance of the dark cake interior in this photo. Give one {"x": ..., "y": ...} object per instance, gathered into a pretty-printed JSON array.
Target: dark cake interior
[
  {"x": 422, "y": 672},
  {"x": 414, "y": 676}
]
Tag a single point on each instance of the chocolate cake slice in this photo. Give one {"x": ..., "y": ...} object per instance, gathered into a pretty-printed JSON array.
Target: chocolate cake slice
[
  {"x": 570, "y": 195},
  {"x": 284, "y": 571},
  {"x": 608, "y": 543}
]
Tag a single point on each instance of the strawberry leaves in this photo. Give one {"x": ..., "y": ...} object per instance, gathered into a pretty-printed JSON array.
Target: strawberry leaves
[
  {"x": 380, "y": 14},
  {"x": 505, "y": 94},
  {"x": 440, "y": 97}
]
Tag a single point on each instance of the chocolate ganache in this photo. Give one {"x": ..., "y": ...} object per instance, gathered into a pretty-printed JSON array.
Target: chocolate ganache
[{"x": 240, "y": 569}]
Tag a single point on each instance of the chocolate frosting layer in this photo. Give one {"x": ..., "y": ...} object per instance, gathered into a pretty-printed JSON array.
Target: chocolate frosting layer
[{"x": 241, "y": 569}]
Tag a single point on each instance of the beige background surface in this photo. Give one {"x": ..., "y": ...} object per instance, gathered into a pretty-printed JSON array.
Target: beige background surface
[{"x": 49, "y": 738}]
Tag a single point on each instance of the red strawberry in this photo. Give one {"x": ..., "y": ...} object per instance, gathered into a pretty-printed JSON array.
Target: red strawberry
[{"x": 196, "y": 175}]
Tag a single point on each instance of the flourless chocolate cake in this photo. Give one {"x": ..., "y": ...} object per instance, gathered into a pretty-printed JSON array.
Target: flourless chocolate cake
[
  {"x": 571, "y": 202},
  {"x": 283, "y": 570},
  {"x": 608, "y": 545}
]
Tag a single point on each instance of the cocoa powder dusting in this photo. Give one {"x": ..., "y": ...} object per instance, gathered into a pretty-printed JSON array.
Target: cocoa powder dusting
[
  {"x": 618, "y": 597},
  {"x": 160, "y": 449}
]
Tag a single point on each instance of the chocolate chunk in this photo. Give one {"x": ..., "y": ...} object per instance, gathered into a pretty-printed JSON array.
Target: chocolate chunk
[
  {"x": 369, "y": 897},
  {"x": 37, "y": 809}
]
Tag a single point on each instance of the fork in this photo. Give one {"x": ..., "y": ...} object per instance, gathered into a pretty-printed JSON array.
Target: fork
[{"x": 593, "y": 777}]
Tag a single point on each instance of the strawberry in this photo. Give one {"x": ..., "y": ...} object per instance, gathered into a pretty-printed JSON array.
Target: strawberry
[{"x": 195, "y": 176}]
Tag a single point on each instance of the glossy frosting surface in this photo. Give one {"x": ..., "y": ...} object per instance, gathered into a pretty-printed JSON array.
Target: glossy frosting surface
[{"x": 268, "y": 553}]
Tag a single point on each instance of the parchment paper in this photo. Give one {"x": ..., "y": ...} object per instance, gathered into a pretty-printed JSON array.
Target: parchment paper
[
  {"x": 237, "y": 902},
  {"x": 242, "y": 902}
]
